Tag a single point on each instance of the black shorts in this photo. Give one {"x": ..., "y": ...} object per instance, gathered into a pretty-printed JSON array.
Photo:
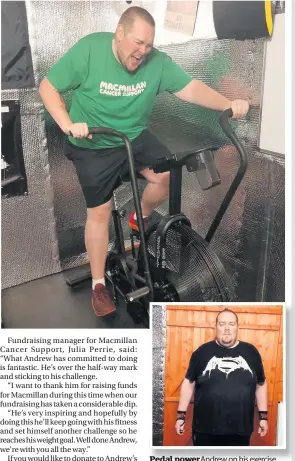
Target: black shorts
[
  {"x": 208, "y": 440},
  {"x": 99, "y": 170}
]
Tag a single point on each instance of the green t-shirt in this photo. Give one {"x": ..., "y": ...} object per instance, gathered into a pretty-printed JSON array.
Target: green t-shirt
[{"x": 107, "y": 95}]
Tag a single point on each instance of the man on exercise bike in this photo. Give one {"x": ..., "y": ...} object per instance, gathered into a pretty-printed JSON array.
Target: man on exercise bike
[{"x": 116, "y": 78}]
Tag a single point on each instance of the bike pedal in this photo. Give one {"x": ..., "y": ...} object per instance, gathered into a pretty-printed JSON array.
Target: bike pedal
[{"x": 134, "y": 233}]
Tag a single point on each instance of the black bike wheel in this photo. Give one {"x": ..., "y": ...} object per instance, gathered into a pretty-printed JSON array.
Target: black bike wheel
[{"x": 193, "y": 269}]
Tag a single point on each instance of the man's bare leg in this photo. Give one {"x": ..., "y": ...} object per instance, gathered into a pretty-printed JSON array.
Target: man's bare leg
[
  {"x": 155, "y": 192},
  {"x": 97, "y": 238},
  {"x": 97, "y": 224},
  {"x": 96, "y": 241}
]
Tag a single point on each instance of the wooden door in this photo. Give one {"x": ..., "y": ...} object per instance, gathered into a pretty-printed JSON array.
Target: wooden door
[{"x": 190, "y": 326}]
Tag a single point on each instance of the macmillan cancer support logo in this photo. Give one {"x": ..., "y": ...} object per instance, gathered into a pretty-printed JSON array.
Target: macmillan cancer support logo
[{"x": 115, "y": 89}]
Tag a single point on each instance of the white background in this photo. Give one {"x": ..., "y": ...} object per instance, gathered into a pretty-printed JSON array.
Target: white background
[{"x": 272, "y": 134}]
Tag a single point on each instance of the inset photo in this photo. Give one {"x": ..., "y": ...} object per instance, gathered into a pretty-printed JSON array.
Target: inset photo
[{"x": 218, "y": 375}]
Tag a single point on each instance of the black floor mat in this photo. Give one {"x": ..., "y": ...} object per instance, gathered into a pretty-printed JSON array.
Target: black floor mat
[{"x": 50, "y": 303}]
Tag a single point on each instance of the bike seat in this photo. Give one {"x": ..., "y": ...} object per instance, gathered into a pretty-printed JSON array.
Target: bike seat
[
  {"x": 201, "y": 161},
  {"x": 184, "y": 157}
]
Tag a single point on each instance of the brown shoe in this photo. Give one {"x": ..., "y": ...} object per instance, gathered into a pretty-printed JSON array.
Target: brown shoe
[{"x": 101, "y": 301}]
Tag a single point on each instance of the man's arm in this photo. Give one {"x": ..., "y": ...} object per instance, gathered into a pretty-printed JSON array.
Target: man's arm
[
  {"x": 186, "y": 392},
  {"x": 261, "y": 399},
  {"x": 197, "y": 92},
  {"x": 55, "y": 105},
  {"x": 261, "y": 396}
]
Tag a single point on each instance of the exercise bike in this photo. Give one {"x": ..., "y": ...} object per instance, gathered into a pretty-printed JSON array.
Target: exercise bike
[{"x": 170, "y": 262}]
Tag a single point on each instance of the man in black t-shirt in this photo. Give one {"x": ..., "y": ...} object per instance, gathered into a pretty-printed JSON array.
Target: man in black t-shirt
[{"x": 226, "y": 377}]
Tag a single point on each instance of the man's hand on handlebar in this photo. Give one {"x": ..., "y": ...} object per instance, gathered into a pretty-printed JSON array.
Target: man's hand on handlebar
[
  {"x": 78, "y": 130},
  {"x": 239, "y": 107}
]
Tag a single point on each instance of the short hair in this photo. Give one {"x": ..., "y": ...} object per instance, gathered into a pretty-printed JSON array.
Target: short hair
[
  {"x": 128, "y": 17},
  {"x": 227, "y": 310}
]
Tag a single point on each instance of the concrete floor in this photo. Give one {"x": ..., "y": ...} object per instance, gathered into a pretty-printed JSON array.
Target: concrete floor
[{"x": 50, "y": 303}]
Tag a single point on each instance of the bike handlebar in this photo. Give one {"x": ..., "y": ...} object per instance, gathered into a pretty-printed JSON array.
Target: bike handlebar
[
  {"x": 227, "y": 129},
  {"x": 224, "y": 121},
  {"x": 103, "y": 130},
  {"x": 126, "y": 140}
]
